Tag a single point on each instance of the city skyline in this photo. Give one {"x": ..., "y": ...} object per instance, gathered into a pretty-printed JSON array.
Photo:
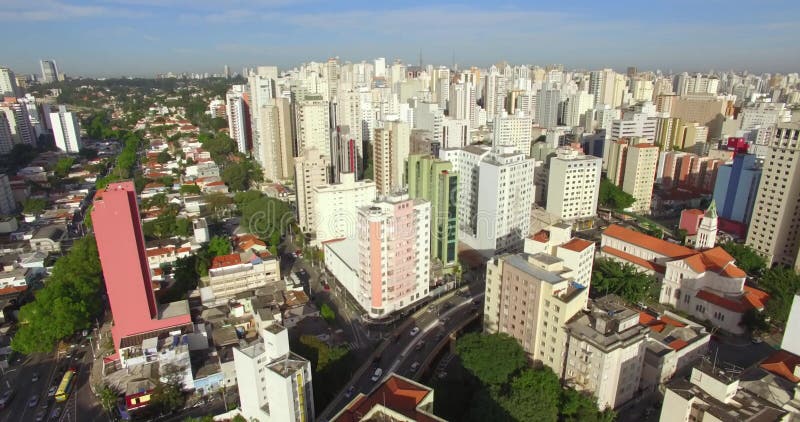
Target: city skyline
[{"x": 144, "y": 37}]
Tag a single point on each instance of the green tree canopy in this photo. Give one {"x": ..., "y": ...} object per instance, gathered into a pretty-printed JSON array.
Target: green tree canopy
[
  {"x": 34, "y": 206},
  {"x": 493, "y": 359},
  {"x": 746, "y": 257},
  {"x": 190, "y": 190},
  {"x": 624, "y": 280},
  {"x": 63, "y": 166},
  {"x": 613, "y": 197},
  {"x": 163, "y": 157},
  {"x": 782, "y": 284},
  {"x": 219, "y": 246},
  {"x": 167, "y": 397},
  {"x": 67, "y": 303},
  {"x": 327, "y": 313}
]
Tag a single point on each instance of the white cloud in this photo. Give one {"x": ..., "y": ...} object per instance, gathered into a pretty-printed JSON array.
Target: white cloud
[{"x": 16, "y": 10}]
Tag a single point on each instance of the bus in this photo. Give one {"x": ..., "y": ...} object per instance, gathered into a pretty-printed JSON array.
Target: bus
[{"x": 65, "y": 386}]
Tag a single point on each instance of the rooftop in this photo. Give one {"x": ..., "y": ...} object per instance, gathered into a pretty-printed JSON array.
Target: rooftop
[
  {"x": 521, "y": 263},
  {"x": 661, "y": 247},
  {"x": 397, "y": 394}
]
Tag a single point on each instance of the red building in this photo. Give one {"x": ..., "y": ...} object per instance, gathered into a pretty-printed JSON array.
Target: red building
[{"x": 120, "y": 243}]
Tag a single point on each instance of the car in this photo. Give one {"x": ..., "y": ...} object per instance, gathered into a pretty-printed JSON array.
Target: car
[
  {"x": 33, "y": 401},
  {"x": 377, "y": 375},
  {"x": 439, "y": 336},
  {"x": 35, "y": 377},
  {"x": 350, "y": 391},
  {"x": 55, "y": 413},
  {"x": 419, "y": 345},
  {"x": 52, "y": 391},
  {"x": 414, "y": 331},
  {"x": 757, "y": 340},
  {"x": 5, "y": 399},
  {"x": 414, "y": 366},
  {"x": 39, "y": 417},
  {"x": 476, "y": 302},
  {"x": 446, "y": 306}
]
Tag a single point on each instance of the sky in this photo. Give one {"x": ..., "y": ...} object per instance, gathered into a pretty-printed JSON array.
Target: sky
[{"x": 145, "y": 37}]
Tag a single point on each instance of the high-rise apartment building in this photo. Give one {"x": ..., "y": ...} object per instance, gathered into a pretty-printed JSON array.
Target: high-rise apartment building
[
  {"x": 120, "y": 245},
  {"x": 6, "y": 137},
  {"x": 66, "y": 130},
  {"x": 237, "y": 109},
  {"x": 466, "y": 163},
  {"x": 49, "y": 71},
  {"x": 274, "y": 383},
  {"x": 336, "y": 206},
  {"x": 19, "y": 122},
  {"x": 601, "y": 85},
  {"x": 263, "y": 89},
  {"x": 547, "y": 101},
  {"x": 311, "y": 170},
  {"x": 435, "y": 181},
  {"x": 576, "y": 107},
  {"x": 8, "y": 205},
  {"x": 8, "y": 83},
  {"x": 573, "y": 185},
  {"x": 312, "y": 123},
  {"x": 640, "y": 125},
  {"x": 640, "y": 171},
  {"x": 736, "y": 187},
  {"x": 515, "y": 131},
  {"x": 386, "y": 267},
  {"x": 275, "y": 138},
  {"x": 391, "y": 146},
  {"x": 774, "y": 230}
]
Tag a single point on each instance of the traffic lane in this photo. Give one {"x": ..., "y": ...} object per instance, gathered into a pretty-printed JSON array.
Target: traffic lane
[{"x": 21, "y": 381}]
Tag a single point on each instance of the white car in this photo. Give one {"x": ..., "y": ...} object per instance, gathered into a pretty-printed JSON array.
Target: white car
[
  {"x": 377, "y": 375},
  {"x": 414, "y": 331},
  {"x": 414, "y": 367}
]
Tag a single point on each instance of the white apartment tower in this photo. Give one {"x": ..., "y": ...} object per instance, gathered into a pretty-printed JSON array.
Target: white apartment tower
[
  {"x": 263, "y": 87},
  {"x": 66, "y": 130},
  {"x": 391, "y": 145},
  {"x": 515, "y": 131},
  {"x": 6, "y": 137},
  {"x": 547, "y": 107},
  {"x": 276, "y": 150},
  {"x": 466, "y": 163},
  {"x": 312, "y": 120},
  {"x": 238, "y": 114},
  {"x": 774, "y": 230},
  {"x": 8, "y": 83},
  {"x": 640, "y": 173},
  {"x": 336, "y": 206},
  {"x": 274, "y": 383},
  {"x": 573, "y": 185},
  {"x": 576, "y": 107},
  {"x": 19, "y": 123},
  {"x": 311, "y": 170},
  {"x": 7, "y": 203}
]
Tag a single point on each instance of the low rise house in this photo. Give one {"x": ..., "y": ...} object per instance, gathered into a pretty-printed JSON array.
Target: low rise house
[
  {"x": 48, "y": 238},
  {"x": 396, "y": 399},
  {"x": 673, "y": 344}
]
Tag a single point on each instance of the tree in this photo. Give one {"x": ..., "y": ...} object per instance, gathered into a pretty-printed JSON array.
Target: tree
[
  {"x": 68, "y": 302},
  {"x": 108, "y": 397},
  {"x": 534, "y": 396},
  {"x": 327, "y": 313},
  {"x": 580, "y": 407},
  {"x": 493, "y": 358},
  {"x": 190, "y": 190},
  {"x": 63, "y": 166},
  {"x": 331, "y": 367},
  {"x": 34, "y": 206},
  {"x": 746, "y": 257},
  {"x": 609, "y": 276},
  {"x": 217, "y": 202},
  {"x": 219, "y": 246},
  {"x": 167, "y": 397},
  {"x": 235, "y": 176},
  {"x": 781, "y": 284},
  {"x": 163, "y": 157},
  {"x": 611, "y": 196}
]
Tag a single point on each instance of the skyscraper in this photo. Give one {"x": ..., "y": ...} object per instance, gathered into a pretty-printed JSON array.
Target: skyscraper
[
  {"x": 640, "y": 172},
  {"x": 66, "y": 130},
  {"x": 311, "y": 170},
  {"x": 49, "y": 71},
  {"x": 312, "y": 120},
  {"x": 435, "y": 181},
  {"x": 120, "y": 244},
  {"x": 774, "y": 230},
  {"x": 275, "y": 138},
  {"x": 19, "y": 122},
  {"x": 547, "y": 107},
  {"x": 391, "y": 147},
  {"x": 573, "y": 185},
  {"x": 8, "y": 83},
  {"x": 238, "y": 113}
]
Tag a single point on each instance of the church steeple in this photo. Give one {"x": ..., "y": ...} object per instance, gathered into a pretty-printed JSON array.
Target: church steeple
[{"x": 707, "y": 232}]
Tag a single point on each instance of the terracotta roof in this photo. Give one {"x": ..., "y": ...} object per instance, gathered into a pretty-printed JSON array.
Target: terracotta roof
[
  {"x": 782, "y": 363},
  {"x": 723, "y": 302},
  {"x": 226, "y": 260},
  {"x": 716, "y": 260},
  {"x": 159, "y": 251},
  {"x": 658, "y": 324},
  {"x": 661, "y": 247},
  {"x": 634, "y": 259},
  {"x": 12, "y": 290},
  {"x": 693, "y": 211},
  {"x": 678, "y": 344},
  {"x": 541, "y": 236},
  {"x": 250, "y": 244},
  {"x": 397, "y": 394},
  {"x": 756, "y": 298},
  {"x": 577, "y": 245}
]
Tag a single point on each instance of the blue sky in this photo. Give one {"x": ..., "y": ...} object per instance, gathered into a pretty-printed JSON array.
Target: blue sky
[{"x": 142, "y": 37}]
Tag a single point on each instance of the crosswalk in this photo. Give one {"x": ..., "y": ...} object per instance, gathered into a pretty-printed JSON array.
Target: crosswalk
[{"x": 351, "y": 346}]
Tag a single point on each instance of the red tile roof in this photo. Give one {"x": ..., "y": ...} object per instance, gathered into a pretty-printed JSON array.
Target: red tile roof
[
  {"x": 723, "y": 302},
  {"x": 577, "y": 245},
  {"x": 782, "y": 363},
  {"x": 658, "y": 324},
  {"x": 397, "y": 394},
  {"x": 678, "y": 344},
  {"x": 634, "y": 259},
  {"x": 756, "y": 298},
  {"x": 226, "y": 260},
  {"x": 541, "y": 236},
  {"x": 661, "y": 247}
]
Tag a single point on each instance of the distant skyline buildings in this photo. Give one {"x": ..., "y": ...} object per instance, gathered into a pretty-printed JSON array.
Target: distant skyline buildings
[{"x": 144, "y": 37}]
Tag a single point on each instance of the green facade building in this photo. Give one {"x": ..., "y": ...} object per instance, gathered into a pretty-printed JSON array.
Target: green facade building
[{"x": 432, "y": 179}]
